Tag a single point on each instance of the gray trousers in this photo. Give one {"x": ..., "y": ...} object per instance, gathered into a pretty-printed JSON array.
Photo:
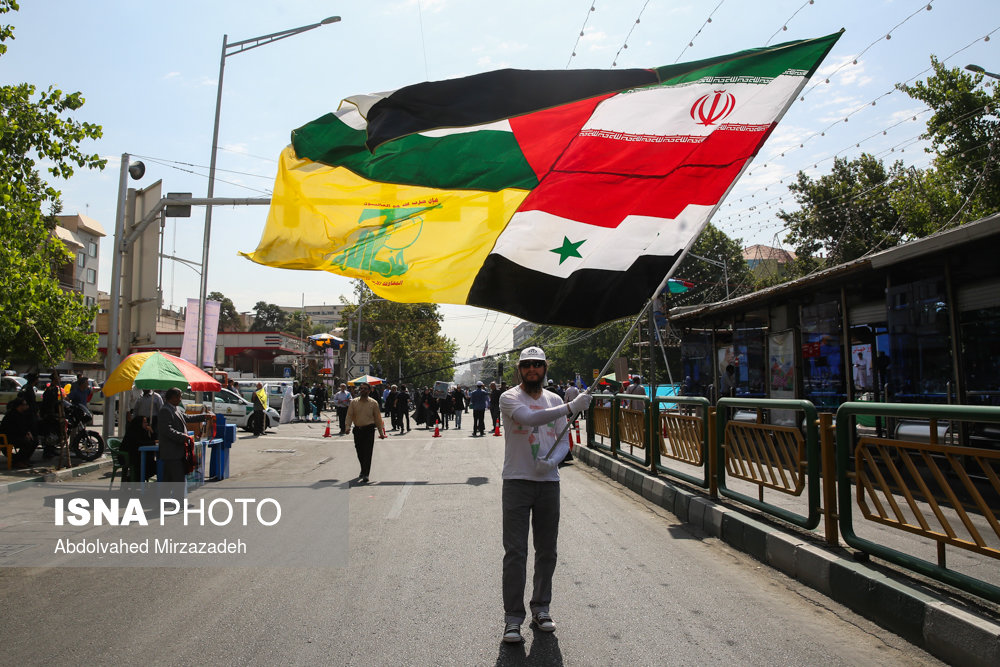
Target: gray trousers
[{"x": 525, "y": 501}]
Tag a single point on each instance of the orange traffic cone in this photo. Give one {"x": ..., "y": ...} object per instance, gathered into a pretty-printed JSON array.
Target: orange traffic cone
[
  {"x": 496, "y": 429},
  {"x": 578, "y": 433},
  {"x": 437, "y": 429},
  {"x": 326, "y": 434}
]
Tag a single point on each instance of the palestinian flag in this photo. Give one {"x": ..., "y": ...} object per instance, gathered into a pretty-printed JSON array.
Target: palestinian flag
[{"x": 561, "y": 197}]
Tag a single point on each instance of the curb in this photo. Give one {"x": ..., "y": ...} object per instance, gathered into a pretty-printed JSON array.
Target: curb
[
  {"x": 56, "y": 475},
  {"x": 930, "y": 621}
]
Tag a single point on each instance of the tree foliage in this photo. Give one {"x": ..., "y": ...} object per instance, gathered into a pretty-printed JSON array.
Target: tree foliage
[
  {"x": 862, "y": 206},
  {"x": 845, "y": 213},
  {"x": 41, "y": 322},
  {"x": 229, "y": 317},
  {"x": 964, "y": 132},
  {"x": 404, "y": 339},
  {"x": 269, "y": 317}
]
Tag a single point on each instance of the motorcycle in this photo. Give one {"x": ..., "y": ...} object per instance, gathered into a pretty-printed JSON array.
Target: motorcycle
[{"x": 84, "y": 444}]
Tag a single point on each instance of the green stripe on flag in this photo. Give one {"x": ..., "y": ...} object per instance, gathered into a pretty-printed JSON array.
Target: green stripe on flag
[
  {"x": 487, "y": 160},
  {"x": 767, "y": 62}
]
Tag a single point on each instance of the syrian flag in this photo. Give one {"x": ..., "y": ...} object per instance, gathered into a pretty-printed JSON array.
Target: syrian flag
[{"x": 560, "y": 197}]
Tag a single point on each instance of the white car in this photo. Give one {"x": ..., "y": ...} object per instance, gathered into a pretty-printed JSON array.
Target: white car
[
  {"x": 10, "y": 385},
  {"x": 236, "y": 409}
]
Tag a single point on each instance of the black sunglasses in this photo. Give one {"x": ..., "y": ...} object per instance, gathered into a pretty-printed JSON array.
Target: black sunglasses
[{"x": 532, "y": 363}]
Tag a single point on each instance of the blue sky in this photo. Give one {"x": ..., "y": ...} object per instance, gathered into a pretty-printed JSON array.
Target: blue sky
[{"x": 149, "y": 73}]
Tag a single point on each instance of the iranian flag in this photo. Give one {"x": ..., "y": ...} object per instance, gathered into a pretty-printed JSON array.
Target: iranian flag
[{"x": 561, "y": 197}]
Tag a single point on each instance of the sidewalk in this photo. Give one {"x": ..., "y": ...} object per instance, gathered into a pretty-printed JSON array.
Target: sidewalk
[{"x": 46, "y": 470}]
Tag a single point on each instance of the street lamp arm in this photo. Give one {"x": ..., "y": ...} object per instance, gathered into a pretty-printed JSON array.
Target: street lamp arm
[
  {"x": 979, "y": 70},
  {"x": 252, "y": 43}
]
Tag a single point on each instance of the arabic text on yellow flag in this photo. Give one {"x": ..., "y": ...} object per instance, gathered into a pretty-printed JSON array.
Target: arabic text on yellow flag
[{"x": 411, "y": 244}]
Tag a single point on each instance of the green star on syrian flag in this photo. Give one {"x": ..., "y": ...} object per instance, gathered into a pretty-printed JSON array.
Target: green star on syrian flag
[{"x": 568, "y": 249}]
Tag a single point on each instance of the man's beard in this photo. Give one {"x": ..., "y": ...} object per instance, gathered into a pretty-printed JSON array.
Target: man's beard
[{"x": 532, "y": 385}]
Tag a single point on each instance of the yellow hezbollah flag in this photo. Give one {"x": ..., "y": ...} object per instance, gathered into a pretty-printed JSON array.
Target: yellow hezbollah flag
[
  {"x": 408, "y": 243},
  {"x": 262, "y": 397}
]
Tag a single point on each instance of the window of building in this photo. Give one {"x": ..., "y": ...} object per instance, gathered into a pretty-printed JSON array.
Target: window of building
[
  {"x": 696, "y": 361},
  {"x": 81, "y": 259},
  {"x": 822, "y": 355},
  {"x": 980, "y": 332},
  {"x": 919, "y": 364},
  {"x": 748, "y": 348},
  {"x": 92, "y": 249},
  {"x": 91, "y": 276}
]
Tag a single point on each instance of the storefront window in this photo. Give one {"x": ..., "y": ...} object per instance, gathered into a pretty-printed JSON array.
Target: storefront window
[
  {"x": 696, "y": 363},
  {"x": 920, "y": 364},
  {"x": 822, "y": 360},
  {"x": 748, "y": 346},
  {"x": 980, "y": 332}
]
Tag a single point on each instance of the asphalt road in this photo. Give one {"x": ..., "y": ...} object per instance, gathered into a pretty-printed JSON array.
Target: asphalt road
[{"x": 422, "y": 583}]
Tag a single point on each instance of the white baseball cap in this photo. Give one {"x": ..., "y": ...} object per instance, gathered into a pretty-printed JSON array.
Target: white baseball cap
[{"x": 532, "y": 353}]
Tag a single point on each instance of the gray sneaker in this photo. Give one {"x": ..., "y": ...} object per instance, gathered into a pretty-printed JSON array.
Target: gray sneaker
[
  {"x": 542, "y": 621},
  {"x": 512, "y": 634}
]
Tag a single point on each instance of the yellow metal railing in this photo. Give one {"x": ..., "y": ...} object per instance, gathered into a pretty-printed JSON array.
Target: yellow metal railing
[
  {"x": 766, "y": 455},
  {"x": 632, "y": 428},
  {"x": 681, "y": 437},
  {"x": 927, "y": 489}
]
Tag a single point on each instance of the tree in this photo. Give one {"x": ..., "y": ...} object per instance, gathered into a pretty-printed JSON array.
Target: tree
[
  {"x": 41, "y": 322},
  {"x": 965, "y": 136},
  {"x": 298, "y": 324},
  {"x": 711, "y": 281},
  {"x": 269, "y": 317},
  {"x": 846, "y": 213},
  {"x": 404, "y": 339},
  {"x": 229, "y": 317},
  {"x": 861, "y": 206}
]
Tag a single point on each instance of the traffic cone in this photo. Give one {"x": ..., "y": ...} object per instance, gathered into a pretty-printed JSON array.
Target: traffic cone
[
  {"x": 437, "y": 429},
  {"x": 326, "y": 434},
  {"x": 496, "y": 428},
  {"x": 578, "y": 433}
]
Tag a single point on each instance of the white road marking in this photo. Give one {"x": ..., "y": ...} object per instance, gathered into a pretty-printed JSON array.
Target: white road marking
[{"x": 397, "y": 507}]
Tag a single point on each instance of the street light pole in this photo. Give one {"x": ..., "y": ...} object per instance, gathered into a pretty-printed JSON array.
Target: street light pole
[
  {"x": 230, "y": 50},
  {"x": 979, "y": 70},
  {"x": 725, "y": 271}
]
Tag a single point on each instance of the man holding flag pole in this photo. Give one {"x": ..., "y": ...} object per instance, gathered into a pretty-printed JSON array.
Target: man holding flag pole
[{"x": 532, "y": 418}]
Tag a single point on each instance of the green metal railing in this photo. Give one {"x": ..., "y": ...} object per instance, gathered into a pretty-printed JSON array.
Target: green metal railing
[
  {"x": 774, "y": 457},
  {"x": 925, "y": 489},
  {"x": 622, "y": 425},
  {"x": 630, "y": 427},
  {"x": 681, "y": 437}
]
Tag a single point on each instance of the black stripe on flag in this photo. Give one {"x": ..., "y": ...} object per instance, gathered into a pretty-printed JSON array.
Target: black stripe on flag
[
  {"x": 585, "y": 299},
  {"x": 491, "y": 96}
]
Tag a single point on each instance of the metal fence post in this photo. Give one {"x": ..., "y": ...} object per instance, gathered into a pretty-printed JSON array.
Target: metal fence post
[
  {"x": 829, "y": 464},
  {"x": 713, "y": 455}
]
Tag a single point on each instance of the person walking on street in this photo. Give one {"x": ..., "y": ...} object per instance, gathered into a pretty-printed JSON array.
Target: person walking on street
[
  {"x": 364, "y": 415},
  {"x": 341, "y": 400},
  {"x": 257, "y": 419},
  {"x": 533, "y": 419},
  {"x": 458, "y": 403},
  {"x": 390, "y": 407},
  {"x": 479, "y": 400},
  {"x": 401, "y": 408},
  {"x": 495, "y": 405}
]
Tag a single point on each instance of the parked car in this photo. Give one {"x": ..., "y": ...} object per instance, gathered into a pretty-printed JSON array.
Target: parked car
[
  {"x": 236, "y": 409},
  {"x": 10, "y": 385}
]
